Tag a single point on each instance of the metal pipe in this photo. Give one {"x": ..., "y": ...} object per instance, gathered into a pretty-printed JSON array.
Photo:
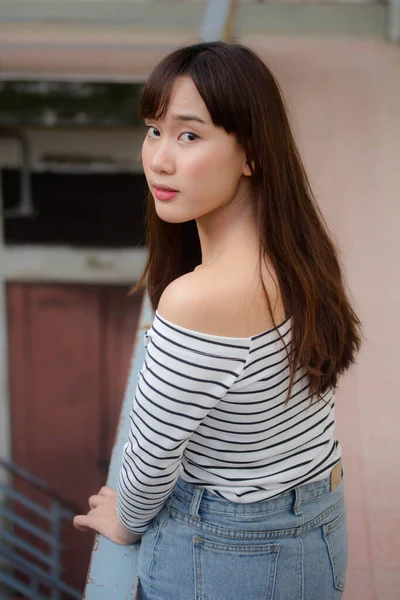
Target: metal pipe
[
  {"x": 56, "y": 548},
  {"x": 215, "y": 19},
  {"x": 230, "y": 32},
  {"x": 393, "y": 21},
  {"x": 69, "y": 508}
]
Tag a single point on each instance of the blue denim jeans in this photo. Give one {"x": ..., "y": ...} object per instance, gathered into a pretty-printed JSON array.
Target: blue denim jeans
[{"x": 201, "y": 547}]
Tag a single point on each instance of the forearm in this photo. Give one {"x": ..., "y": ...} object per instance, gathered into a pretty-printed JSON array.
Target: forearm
[
  {"x": 125, "y": 536},
  {"x": 140, "y": 500}
]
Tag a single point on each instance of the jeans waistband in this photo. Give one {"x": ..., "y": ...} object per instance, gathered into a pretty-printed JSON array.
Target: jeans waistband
[{"x": 195, "y": 495}]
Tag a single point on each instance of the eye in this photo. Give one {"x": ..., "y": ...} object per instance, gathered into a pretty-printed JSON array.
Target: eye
[
  {"x": 193, "y": 135},
  {"x": 149, "y": 127},
  {"x": 153, "y": 132}
]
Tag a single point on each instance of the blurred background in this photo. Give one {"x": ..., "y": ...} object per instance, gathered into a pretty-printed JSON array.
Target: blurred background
[{"x": 72, "y": 200}]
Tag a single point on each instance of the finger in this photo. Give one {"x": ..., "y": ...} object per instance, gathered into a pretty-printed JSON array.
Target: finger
[
  {"x": 81, "y": 522},
  {"x": 96, "y": 500},
  {"x": 107, "y": 491}
]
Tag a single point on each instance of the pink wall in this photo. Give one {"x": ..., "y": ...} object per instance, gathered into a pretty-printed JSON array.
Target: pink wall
[{"x": 344, "y": 97}]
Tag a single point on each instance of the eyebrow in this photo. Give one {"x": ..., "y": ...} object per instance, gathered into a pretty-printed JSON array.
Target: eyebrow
[{"x": 185, "y": 118}]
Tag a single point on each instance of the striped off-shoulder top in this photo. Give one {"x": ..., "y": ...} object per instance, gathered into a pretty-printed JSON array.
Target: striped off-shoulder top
[{"x": 211, "y": 410}]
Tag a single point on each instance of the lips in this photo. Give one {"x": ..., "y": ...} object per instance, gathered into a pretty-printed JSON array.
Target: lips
[
  {"x": 164, "y": 192},
  {"x": 165, "y": 188}
]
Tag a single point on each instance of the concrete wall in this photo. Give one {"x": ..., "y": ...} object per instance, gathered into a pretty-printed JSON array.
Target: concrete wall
[{"x": 345, "y": 101}]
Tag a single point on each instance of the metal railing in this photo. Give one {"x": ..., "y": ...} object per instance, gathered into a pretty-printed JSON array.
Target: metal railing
[
  {"x": 113, "y": 568},
  {"x": 41, "y": 570}
]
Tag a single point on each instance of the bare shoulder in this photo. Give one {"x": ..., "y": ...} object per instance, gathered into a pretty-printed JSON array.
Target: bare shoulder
[
  {"x": 186, "y": 303},
  {"x": 217, "y": 303}
]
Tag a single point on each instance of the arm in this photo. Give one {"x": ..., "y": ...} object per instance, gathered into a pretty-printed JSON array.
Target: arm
[
  {"x": 102, "y": 516},
  {"x": 183, "y": 377}
]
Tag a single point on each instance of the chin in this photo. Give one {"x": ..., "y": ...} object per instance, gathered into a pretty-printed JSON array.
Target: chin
[{"x": 171, "y": 217}]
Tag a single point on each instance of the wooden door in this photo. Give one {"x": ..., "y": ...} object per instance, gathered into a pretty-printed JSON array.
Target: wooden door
[{"x": 69, "y": 348}]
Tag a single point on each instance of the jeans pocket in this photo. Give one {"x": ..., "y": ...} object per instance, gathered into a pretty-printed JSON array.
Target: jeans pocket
[
  {"x": 234, "y": 571},
  {"x": 336, "y": 538}
]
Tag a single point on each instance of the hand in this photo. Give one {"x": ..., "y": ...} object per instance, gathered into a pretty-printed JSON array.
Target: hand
[{"x": 102, "y": 517}]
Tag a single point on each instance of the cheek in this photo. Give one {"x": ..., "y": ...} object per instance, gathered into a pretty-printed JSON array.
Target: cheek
[
  {"x": 145, "y": 157},
  {"x": 217, "y": 173},
  {"x": 209, "y": 167}
]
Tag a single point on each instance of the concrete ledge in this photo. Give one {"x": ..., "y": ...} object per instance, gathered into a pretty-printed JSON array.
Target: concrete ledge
[
  {"x": 186, "y": 17},
  {"x": 113, "y": 568},
  {"x": 115, "y": 12},
  {"x": 36, "y": 44},
  {"x": 340, "y": 20}
]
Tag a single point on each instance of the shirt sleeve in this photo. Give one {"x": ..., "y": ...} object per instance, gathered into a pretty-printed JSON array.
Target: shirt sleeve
[{"x": 184, "y": 375}]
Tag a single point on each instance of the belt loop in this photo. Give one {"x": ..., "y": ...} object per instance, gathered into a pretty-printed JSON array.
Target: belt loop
[
  {"x": 195, "y": 503},
  {"x": 298, "y": 501}
]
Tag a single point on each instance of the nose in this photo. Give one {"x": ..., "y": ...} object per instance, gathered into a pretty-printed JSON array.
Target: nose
[{"x": 162, "y": 158}]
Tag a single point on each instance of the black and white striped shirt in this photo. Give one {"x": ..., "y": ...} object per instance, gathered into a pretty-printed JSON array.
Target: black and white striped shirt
[{"x": 211, "y": 410}]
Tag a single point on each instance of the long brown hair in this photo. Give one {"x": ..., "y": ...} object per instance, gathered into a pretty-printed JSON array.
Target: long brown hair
[{"x": 243, "y": 97}]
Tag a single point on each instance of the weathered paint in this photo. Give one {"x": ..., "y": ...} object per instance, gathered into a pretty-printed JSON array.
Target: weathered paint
[{"x": 112, "y": 571}]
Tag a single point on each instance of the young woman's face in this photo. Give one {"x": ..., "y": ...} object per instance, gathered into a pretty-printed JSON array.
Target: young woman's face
[{"x": 186, "y": 152}]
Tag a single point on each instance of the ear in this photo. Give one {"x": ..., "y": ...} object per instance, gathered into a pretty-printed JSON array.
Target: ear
[{"x": 246, "y": 169}]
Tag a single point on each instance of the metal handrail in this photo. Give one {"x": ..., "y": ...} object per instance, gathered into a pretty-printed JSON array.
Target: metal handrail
[
  {"x": 38, "y": 573},
  {"x": 33, "y": 506},
  {"x": 27, "y": 547},
  {"x": 41, "y": 485},
  {"x": 19, "y": 587},
  {"x": 50, "y": 575},
  {"x": 118, "y": 582},
  {"x": 24, "y": 523}
]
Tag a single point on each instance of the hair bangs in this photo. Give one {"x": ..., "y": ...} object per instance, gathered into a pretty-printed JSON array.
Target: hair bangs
[
  {"x": 156, "y": 94},
  {"x": 155, "y": 97},
  {"x": 213, "y": 70}
]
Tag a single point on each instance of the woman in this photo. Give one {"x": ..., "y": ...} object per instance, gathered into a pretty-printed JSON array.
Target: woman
[{"x": 232, "y": 476}]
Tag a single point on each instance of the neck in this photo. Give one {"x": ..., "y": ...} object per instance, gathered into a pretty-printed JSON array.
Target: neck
[{"x": 231, "y": 231}]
